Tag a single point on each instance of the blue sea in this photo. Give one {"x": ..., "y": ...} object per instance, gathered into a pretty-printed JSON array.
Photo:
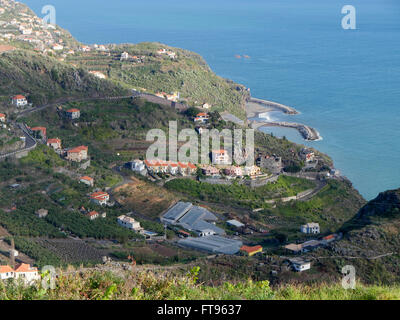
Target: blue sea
[{"x": 345, "y": 83}]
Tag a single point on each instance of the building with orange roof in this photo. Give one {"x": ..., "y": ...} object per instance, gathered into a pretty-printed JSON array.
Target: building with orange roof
[
  {"x": 92, "y": 215},
  {"x": 19, "y": 100},
  {"x": 6, "y": 272},
  {"x": 100, "y": 198},
  {"x": 26, "y": 272},
  {"x": 201, "y": 117},
  {"x": 39, "y": 132},
  {"x": 87, "y": 180},
  {"x": 251, "y": 251},
  {"x": 73, "y": 113},
  {"x": 54, "y": 143},
  {"x": 77, "y": 154},
  {"x": 2, "y": 117},
  {"x": 220, "y": 157}
]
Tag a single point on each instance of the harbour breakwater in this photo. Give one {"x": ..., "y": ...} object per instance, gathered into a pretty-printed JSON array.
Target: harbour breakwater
[
  {"x": 308, "y": 133},
  {"x": 258, "y": 108}
]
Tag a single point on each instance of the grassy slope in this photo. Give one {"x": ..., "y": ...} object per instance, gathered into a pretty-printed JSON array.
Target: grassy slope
[
  {"x": 44, "y": 79},
  {"x": 189, "y": 74},
  {"x": 94, "y": 285}
]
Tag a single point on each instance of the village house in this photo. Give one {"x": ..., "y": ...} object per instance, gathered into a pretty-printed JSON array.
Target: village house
[
  {"x": 173, "y": 168},
  {"x": 137, "y": 165},
  {"x": 124, "y": 56},
  {"x": 153, "y": 166},
  {"x": 54, "y": 143},
  {"x": 220, "y": 157},
  {"x": 2, "y": 117},
  {"x": 19, "y": 100},
  {"x": 307, "y": 155},
  {"x": 210, "y": 171},
  {"x": 39, "y": 132},
  {"x": 58, "y": 47},
  {"x": 300, "y": 264},
  {"x": 234, "y": 171},
  {"x": 129, "y": 223},
  {"x": 310, "y": 228},
  {"x": 42, "y": 213},
  {"x": 251, "y": 171},
  {"x": 87, "y": 180},
  {"x": 100, "y": 198},
  {"x": 73, "y": 113},
  {"x": 23, "y": 271},
  {"x": 6, "y": 272},
  {"x": 201, "y": 117},
  {"x": 251, "y": 251},
  {"x": 77, "y": 154},
  {"x": 92, "y": 215}
]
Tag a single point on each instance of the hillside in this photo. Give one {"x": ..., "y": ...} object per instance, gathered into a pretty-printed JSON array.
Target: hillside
[
  {"x": 146, "y": 285},
  {"x": 44, "y": 79},
  {"x": 149, "y": 71},
  {"x": 371, "y": 241}
]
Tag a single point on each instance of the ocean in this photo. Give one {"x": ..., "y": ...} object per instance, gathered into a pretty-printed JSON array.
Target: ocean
[{"x": 345, "y": 83}]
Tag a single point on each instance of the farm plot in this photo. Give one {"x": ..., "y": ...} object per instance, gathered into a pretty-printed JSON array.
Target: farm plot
[{"x": 72, "y": 251}]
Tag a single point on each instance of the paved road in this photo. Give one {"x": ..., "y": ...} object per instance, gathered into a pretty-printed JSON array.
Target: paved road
[{"x": 30, "y": 143}]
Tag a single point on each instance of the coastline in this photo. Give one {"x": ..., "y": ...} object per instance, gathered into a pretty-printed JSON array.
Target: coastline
[{"x": 256, "y": 107}]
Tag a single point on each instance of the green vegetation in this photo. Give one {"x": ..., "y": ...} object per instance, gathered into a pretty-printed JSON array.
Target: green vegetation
[
  {"x": 44, "y": 157},
  {"x": 239, "y": 194},
  {"x": 45, "y": 79},
  {"x": 95, "y": 285},
  {"x": 188, "y": 73}
]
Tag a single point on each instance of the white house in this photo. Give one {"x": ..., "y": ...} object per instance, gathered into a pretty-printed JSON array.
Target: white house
[
  {"x": 100, "y": 198},
  {"x": 300, "y": 264},
  {"x": 129, "y": 223},
  {"x": 310, "y": 228},
  {"x": 137, "y": 165},
  {"x": 27, "y": 273},
  {"x": 124, "y": 56},
  {"x": 220, "y": 157},
  {"x": 92, "y": 215},
  {"x": 6, "y": 272},
  {"x": 87, "y": 180},
  {"x": 19, "y": 100}
]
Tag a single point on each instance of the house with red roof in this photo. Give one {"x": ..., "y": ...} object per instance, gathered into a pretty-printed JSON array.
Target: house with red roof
[
  {"x": 26, "y": 272},
  {"x": 2, "y": 117},
  {"x": 201, "y": 117},
  {"x": 251, "y": 251},
  {"x": 92, "y": 215},
  {"x": 87, "y": 180},
  {"x": 77, "y": 154},
  {"x": 73, "y": 113},
  {"x": 54, "y": 143},
  {"x": 39, "y": 132},
  {"x": 220, "y": 157},
  {"x": 23, "y": 271},
  {"x": 152, "y": 166},
  {"x": 100, "y": 198},
  {"x": 6, "y": 272},
  {"x": 19, "y": 100}
]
